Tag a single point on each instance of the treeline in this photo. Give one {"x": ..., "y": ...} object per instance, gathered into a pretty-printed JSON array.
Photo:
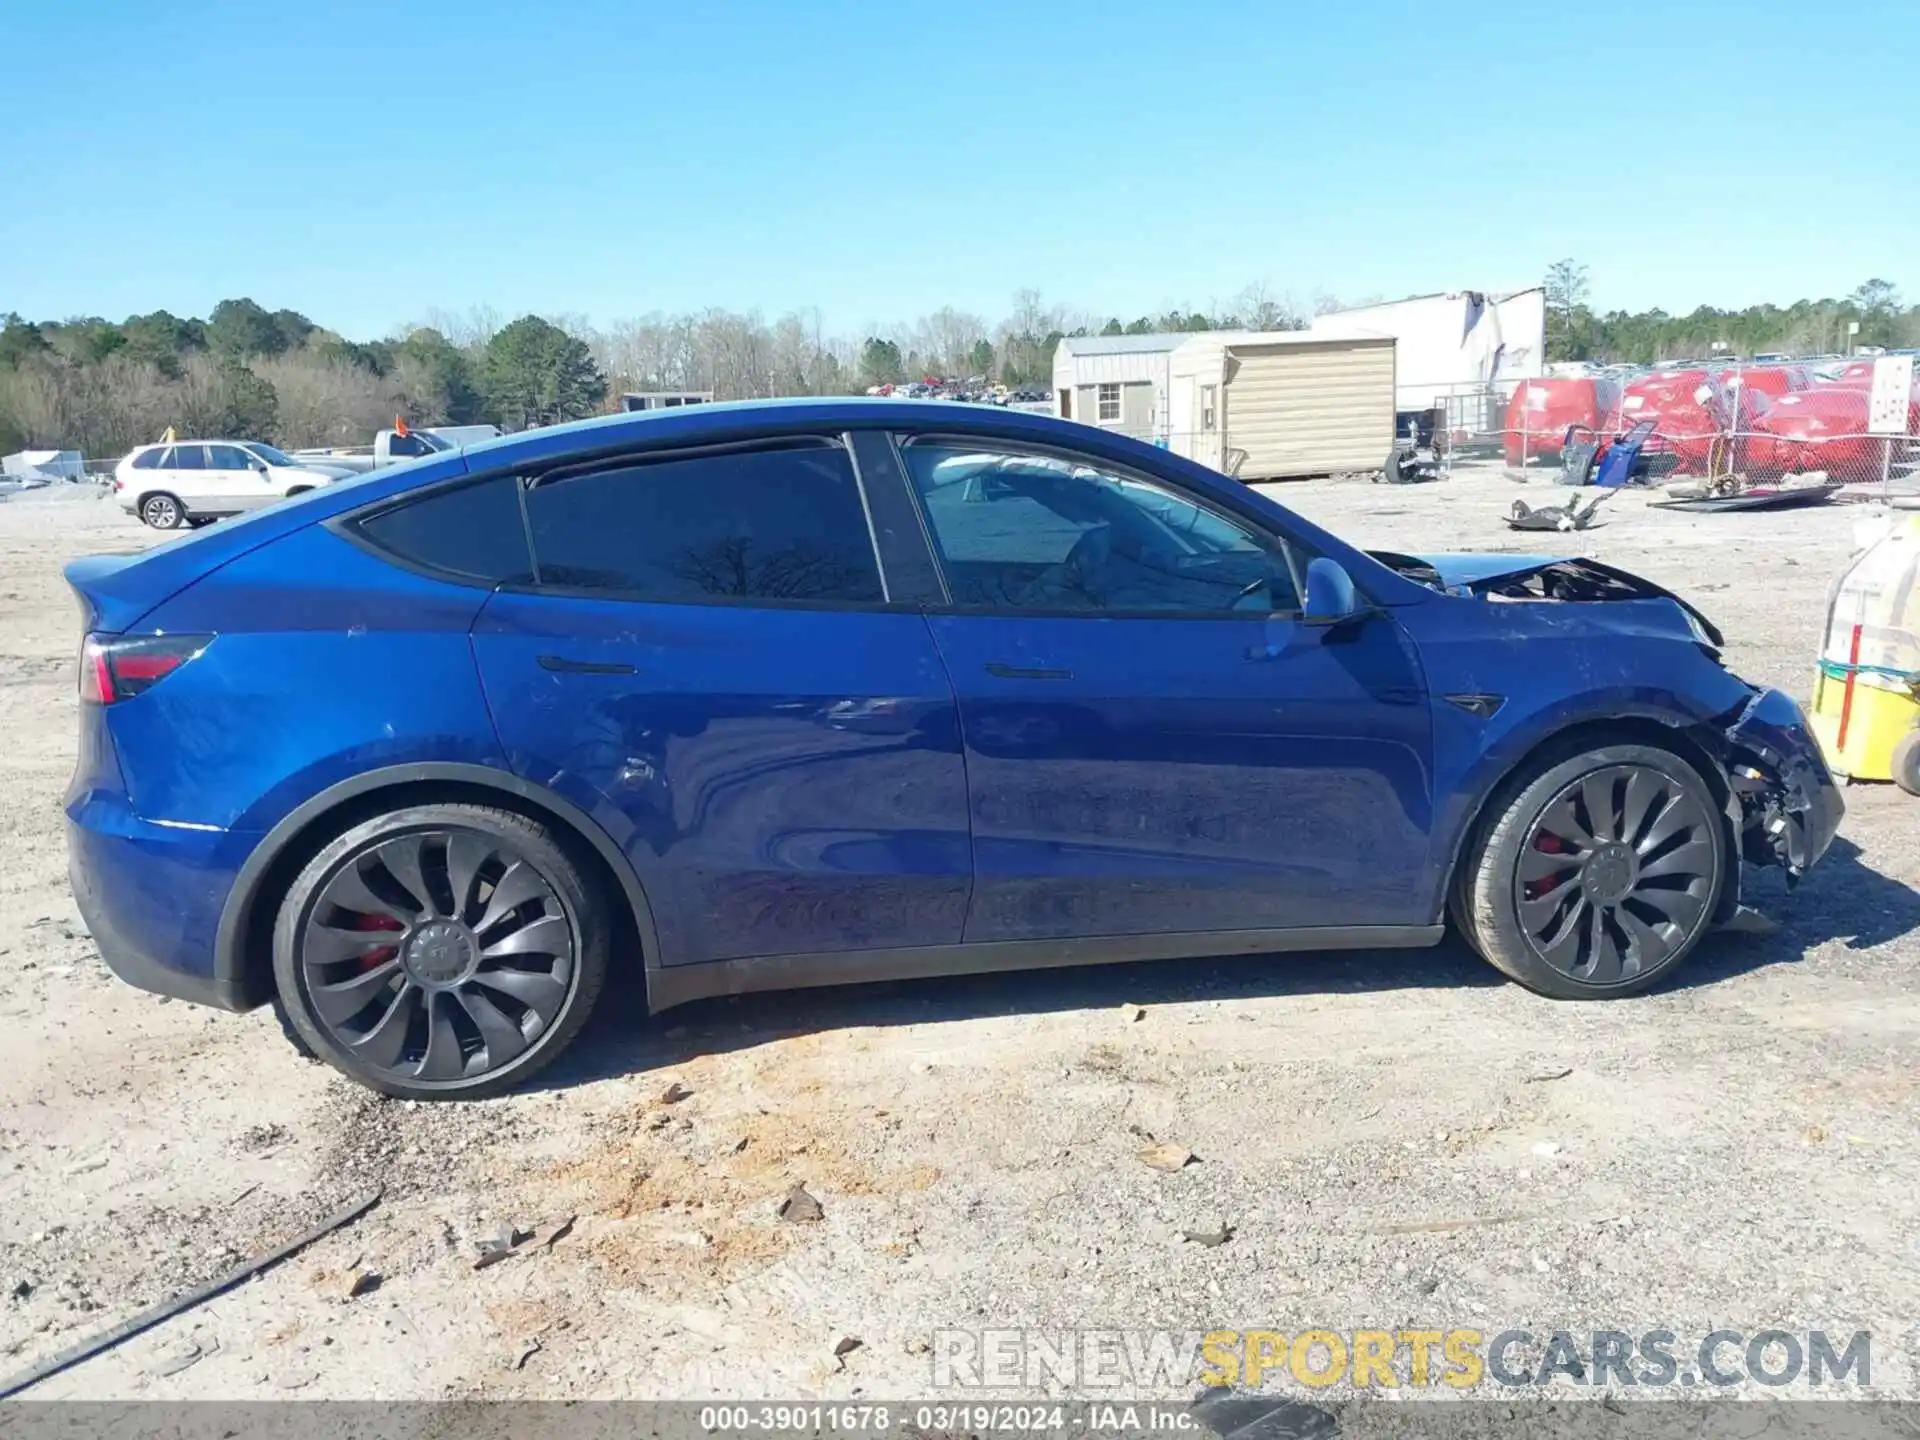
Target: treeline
[
  {"x": 1806, "y": 327},
  {"x": 244, "y": 371},
  {"x": 247, "y": 372}
]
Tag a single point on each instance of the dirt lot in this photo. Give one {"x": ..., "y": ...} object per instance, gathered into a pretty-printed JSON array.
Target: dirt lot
[{"x": 1380, "y": 1131}]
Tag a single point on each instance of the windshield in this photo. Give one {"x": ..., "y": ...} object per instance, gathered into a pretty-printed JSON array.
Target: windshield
[{"x": 268, "y": 453}]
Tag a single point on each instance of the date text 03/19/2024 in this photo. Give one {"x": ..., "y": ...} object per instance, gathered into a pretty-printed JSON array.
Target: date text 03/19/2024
[{"x": 969, "y": 1417}]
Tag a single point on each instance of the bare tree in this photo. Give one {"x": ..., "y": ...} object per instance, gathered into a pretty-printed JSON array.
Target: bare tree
[
  {"x": 1258, "y": 308},
  {"x": 468, "y": 329},
  {"x": 323, "y": 402}
]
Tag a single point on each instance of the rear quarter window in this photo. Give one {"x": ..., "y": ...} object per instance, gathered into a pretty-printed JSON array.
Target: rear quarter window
[
  {"x": 150, "y": 459},
  {"x": 472, "y": 533}
]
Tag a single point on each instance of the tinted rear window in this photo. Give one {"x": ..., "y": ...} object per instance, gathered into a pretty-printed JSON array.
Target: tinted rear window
[
  {"x": 473, "y": 532},
  {"x": 188, "y": 457},
  {"x": 783, "y": 524},
  {"x": 150, "y": 459}
]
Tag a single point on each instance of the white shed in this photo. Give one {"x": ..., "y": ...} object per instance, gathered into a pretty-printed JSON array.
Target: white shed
[
  {"x": 1118, "y": 382},
  {"x": 1276, "y": 405},
  {"x": 44, "y": 465}
]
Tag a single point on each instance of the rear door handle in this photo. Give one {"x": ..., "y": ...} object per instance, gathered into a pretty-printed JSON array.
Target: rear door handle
[
  {"x": 563, "y": 665},
  {"x": 1023, "y": 672}
]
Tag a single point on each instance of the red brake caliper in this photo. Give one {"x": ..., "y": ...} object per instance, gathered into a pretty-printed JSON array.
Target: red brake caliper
[
  {"x": 1550, "y": 844},
  {"x": 374, "y": 959}
]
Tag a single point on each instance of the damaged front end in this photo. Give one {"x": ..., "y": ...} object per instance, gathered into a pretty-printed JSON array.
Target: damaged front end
[
  {"x": 1790, "y": 806},
  {"x": 1564, "y": 579},
  {"x": 1783, "y": 804}
]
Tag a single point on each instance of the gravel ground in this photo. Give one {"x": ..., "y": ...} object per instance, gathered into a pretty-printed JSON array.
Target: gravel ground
[{"x": 1392, "y": 1138}]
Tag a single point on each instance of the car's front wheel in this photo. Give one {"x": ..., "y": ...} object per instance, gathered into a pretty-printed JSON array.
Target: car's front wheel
[
  {"x": 1596, "y": 875},
  {"x": 162, "y": 512},
  {"x": 440, "y": 951}
]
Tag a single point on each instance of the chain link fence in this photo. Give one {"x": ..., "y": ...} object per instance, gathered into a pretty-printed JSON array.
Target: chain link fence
[{"x": 1727, "y": 425}]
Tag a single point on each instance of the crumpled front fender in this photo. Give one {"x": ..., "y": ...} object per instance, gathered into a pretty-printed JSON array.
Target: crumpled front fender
[{"x": 1789, "y": 801}]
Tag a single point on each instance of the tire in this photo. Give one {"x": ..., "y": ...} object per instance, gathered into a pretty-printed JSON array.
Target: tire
[
  {"x": 1631, "y": 834},
  {"x": 1906, "y": 762},
  {"x": 513, "y": 965},
  {"x": 162, "y": 511}
]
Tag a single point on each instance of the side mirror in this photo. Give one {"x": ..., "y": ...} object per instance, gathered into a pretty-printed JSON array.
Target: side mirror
[
  {"x": 1330, "y": 596},
  {"x": 259, "y": 465}
]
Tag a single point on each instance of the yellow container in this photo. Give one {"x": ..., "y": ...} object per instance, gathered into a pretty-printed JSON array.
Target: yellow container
[
  {"x": 1866, "y": 696},
  {"x": 1874, "y": 725}
]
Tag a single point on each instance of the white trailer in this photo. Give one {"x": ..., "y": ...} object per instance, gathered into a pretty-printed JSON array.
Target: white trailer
[{"x": 1459, "y": 353}]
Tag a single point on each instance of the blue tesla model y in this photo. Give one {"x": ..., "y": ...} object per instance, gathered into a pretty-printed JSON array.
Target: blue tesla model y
[{"x": 734, "y": 698}]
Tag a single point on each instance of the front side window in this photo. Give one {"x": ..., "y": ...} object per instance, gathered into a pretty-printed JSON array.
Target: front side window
[
  {"x": 782, "y": 524},
  {"x": 269, "y": 454},
  {"x": 1108, "y": 400},
  {"x": 1042, "y": 532},
  {"x": 407, "y": 447},
  {"x": 188, "y": 457},
  {"x": 228, "y": 457}
]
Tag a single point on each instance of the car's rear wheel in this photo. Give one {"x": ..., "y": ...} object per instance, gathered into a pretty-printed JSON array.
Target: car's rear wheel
[
  {"x": 1596, "y": 874},
  {"x": 162, "y": 512},
  {"x": 440, "y": 951}
]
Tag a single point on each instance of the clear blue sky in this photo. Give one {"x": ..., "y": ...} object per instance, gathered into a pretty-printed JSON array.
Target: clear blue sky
[{"x": 878, "y": 160}]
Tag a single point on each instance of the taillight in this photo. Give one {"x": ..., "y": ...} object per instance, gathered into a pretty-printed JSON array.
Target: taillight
[{"x": 115, "y": 667}]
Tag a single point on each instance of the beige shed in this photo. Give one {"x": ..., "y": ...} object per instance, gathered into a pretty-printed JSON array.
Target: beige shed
[{"x": 1279, "y": 405}]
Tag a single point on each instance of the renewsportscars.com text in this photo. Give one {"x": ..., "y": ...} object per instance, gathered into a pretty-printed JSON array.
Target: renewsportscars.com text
[{"x": 1458, "y": 1358}]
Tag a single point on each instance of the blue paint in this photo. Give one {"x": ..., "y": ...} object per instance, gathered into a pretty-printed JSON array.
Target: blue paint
[{"x": 790, "y": 779}]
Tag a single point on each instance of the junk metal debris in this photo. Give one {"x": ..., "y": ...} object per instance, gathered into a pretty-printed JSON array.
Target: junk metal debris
[
  {"x": 1608, "y": 464},
  {"x": 1754, "y": 497},
  {"x": 167, "y": 1309},
  {"x": 1406, "y": 465},
  {"x": 800, "y": 1207},
  {"x": 1570, "y": 516}
]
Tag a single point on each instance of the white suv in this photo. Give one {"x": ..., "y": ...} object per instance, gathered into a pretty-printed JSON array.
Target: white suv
[{"x": 195, "y": 480}]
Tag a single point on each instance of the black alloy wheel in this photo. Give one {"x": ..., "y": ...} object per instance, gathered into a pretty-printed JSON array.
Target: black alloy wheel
[
  {"x": 450, "y": 950},
  {"x": 1595, "y": 873},
  {"x": 1617, "y": 874}
]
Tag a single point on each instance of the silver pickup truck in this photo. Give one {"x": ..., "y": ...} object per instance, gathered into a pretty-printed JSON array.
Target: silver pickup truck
[{"x": 391, "y": 447}]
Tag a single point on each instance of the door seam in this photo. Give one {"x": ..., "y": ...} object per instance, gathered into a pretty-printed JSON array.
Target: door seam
[{"x": 966, "y": 773}]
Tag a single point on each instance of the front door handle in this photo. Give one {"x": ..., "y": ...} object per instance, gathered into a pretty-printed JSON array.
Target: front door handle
[
  {"x": 1023, "y": 672},
  {"x": 561, "y": 664}
]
